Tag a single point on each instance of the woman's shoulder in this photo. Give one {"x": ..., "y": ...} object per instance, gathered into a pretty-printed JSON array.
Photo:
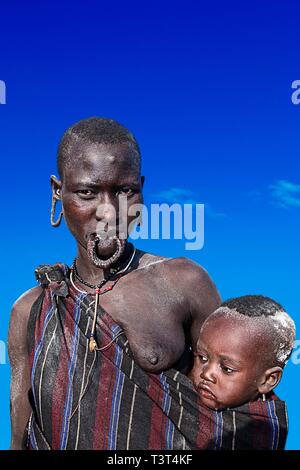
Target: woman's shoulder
[
  {"x": 22, "y": 306},
  {"x": 19, "y": 317},
  {"x": 46, "y": 273}
]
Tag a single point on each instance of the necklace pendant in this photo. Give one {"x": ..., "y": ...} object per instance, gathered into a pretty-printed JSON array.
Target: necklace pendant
[{"x": 92, "y": 344}]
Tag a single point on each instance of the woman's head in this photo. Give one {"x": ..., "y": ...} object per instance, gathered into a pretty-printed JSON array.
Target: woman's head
[{"x": 100, "y": 180}]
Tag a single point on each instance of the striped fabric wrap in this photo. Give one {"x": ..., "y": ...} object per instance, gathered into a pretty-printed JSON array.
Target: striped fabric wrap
[{"x": 103, "y": 400}]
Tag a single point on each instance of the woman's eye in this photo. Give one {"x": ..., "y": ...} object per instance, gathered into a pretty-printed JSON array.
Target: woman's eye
[
  {"x": 85, "y": 192},
  {"x": 124, "y": 191}
]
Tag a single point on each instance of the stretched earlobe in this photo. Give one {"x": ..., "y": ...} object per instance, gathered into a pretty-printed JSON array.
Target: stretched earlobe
[
  {"x": 56, "y": 185},
  {"x": 55, "y": 223},
  {"x": 56, "y": 196}
]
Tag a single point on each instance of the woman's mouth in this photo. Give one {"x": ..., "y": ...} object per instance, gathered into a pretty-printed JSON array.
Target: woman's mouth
[{"x": 103, "y": 251}]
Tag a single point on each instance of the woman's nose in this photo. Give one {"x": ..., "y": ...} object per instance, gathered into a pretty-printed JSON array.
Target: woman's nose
[{"x": 106, "y": 210}]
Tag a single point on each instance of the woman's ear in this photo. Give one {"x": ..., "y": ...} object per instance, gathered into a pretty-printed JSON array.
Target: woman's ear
[
  {"x": 56, "y": 187},
  {"x": 270, "y": 379}
]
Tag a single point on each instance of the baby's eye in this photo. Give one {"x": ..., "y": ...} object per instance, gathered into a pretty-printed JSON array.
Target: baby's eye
[
  {"x": 202, "y": 358},
  {"x": 227, "y": 370}
]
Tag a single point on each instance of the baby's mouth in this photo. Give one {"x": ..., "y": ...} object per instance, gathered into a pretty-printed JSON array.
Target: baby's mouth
[{"x": 205, "y": 391}]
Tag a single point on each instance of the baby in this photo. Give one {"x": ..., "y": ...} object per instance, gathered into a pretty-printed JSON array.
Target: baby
[{"x": 241, "y": 351}]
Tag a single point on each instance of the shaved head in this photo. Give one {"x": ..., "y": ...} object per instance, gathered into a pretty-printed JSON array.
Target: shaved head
[
  {"x": 90, "y": 132},
  {"x": 264, "y": 319}
]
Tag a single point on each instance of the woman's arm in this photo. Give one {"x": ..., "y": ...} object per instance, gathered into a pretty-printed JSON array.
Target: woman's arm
[{"x": 20, "y": 408}]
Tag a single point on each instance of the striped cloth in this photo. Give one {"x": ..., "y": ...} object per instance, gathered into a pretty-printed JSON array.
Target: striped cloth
[{"x": 104, "y": 400}]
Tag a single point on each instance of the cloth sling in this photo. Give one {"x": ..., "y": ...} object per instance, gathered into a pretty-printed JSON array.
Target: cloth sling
[{"x": 104, "y": 400}]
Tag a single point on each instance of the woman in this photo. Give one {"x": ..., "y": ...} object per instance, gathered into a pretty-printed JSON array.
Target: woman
[{"x": 89, "y": 344}]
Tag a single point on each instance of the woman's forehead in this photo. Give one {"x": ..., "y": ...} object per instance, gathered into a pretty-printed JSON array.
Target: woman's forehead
[{"x": 98, "y": 160}]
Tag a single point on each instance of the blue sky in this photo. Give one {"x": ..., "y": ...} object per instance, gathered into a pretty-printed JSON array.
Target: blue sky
[{"x": 206, "y": 89}]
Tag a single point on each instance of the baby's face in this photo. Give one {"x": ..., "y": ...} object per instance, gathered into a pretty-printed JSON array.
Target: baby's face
[{"x": 227, "y": 364}]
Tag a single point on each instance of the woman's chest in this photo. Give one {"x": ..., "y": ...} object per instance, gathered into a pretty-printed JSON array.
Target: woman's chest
[{"x": 153, "y": 323}]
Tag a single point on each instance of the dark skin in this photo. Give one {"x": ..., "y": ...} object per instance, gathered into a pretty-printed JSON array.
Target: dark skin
[
  {"x": 232, "y": 368},
  {"x": 169, "y": 298}
]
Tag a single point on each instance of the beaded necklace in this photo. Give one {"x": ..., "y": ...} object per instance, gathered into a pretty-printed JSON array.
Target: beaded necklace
[{"x": 92, "y": 343}]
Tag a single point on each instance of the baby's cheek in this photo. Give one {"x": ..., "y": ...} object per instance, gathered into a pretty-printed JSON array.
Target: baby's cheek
[
  {"x": 194, "y": 375},
  {"x": 189, "y": 374},
  {"x": 231, "y": 393}
]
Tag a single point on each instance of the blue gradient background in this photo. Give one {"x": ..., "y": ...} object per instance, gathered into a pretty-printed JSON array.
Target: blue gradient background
[{"x": 207, "y": 92}]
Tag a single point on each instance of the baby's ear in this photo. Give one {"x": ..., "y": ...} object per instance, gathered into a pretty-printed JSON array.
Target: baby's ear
[{"x": 270, "y": 379}]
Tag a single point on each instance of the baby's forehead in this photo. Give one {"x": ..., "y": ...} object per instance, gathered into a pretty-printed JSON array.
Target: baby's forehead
[
  {"x": 238, "y": 329},
  {"x": 270, "y": 334},
  {"x": 231, "y": 317},
  {"x": 237, "y": 340}
]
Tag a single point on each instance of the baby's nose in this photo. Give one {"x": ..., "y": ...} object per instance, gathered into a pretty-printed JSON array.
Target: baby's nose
[{"x": 209, "y": 374}]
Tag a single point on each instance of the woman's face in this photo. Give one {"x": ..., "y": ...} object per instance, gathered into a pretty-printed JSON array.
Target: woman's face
[{"x": 99, "y": 185}]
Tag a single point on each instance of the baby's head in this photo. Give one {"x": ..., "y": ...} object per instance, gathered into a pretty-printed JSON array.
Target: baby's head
[{"x": 241, "y": 351}]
